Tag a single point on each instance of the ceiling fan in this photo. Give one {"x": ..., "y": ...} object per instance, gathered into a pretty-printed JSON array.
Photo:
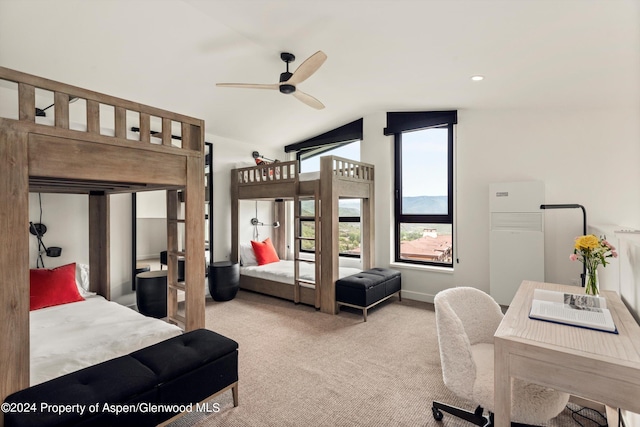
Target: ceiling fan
[{"x": 289, "y": 81}]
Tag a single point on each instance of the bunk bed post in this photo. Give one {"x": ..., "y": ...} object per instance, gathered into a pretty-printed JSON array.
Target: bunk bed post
[
  {"x": 367, "y": 239},
  {"x": 172, "y": 257},
  {"x": 99, "y": 260},
  {"x": 14, "y": 262},
  {"x": 279, "y": 234},
  {"x": 329, "y": 237},
  {"x": 235, "y": 202},
  {"x": 194, "y": 237}
]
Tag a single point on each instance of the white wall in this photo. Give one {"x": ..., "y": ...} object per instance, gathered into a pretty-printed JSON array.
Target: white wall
[
  {"x": 151, "y": 224},
  {"x": 120, "y": 249},
  {"x": 588, "y": 157},
  {"x": 61, "y": 213},
  {"x": 229, "y": 154}
]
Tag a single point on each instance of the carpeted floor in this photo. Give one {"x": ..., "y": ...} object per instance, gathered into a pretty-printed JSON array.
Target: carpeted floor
[{"x": 300, "y": 367}]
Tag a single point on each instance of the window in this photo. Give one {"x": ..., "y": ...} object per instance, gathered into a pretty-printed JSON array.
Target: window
[
  {"x": 423, "y": 145},
  {"x": 343, "y": 142},
  {"x": 348, "y": 209}
]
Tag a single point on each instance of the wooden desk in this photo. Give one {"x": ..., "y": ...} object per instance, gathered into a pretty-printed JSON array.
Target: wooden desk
[{"x": 596, "y": 365}]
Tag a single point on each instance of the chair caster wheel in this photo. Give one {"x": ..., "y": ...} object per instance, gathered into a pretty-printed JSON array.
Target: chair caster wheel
[{"x": 437, "y": 414}]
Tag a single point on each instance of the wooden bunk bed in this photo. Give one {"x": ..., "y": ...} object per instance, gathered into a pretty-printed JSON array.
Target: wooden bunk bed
[
  {"x": 58, "y": 159},
  {"x": 338, "y": 178}
]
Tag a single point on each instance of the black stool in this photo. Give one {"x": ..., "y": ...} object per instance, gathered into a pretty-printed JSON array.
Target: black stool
[
  {"x": 224, "y": 280},
  {"x": 151, "y": 293},
  {"x": 142, "y": 267},
  {"x": 163, "y": 261}
]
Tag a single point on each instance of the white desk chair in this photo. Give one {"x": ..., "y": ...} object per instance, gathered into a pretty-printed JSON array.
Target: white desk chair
[{"x": 466, "y": 320}]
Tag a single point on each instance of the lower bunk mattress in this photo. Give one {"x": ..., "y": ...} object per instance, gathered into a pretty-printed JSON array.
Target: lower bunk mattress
[
  {"x": 277, "y": 279},
  {"x": 282, "y": 271},
  {"x": 68, "y": 337}
]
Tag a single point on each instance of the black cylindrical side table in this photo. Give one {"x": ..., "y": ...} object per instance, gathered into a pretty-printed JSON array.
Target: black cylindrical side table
[
  {"x": 224, "y": 280},
  {"x": 151, "y": 293}
]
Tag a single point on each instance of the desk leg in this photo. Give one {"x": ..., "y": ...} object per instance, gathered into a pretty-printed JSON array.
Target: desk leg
[{"x": 502, "y": 385}]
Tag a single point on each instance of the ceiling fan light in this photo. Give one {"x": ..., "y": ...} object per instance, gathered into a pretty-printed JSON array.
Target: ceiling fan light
[{"x": 286, "y": 88}]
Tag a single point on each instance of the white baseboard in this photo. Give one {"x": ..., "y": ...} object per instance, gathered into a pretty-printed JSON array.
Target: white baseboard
[{"x": 417, "y": 296}]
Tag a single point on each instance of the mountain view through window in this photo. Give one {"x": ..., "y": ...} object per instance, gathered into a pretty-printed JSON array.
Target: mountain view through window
[{"x": 425, "y": 220}]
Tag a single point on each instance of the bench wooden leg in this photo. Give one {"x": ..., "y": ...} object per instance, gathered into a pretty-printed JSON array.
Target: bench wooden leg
[{"x": 234, "y": 392}]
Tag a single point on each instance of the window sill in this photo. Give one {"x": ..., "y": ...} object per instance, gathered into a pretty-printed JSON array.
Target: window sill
[{"x": 425, "y": 268}]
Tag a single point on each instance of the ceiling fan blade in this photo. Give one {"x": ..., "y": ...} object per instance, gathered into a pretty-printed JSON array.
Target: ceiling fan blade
[
  {"x": 307, "y": 68},
  {"x": 249, "y": 85},
  {"x": 308, "y": 99}
]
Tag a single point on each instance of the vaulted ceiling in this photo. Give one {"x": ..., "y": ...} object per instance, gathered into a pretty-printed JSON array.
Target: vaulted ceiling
[{"x": 383, "y": 55}]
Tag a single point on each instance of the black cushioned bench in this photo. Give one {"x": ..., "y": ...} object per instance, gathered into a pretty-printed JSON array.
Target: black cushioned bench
[
  {"x": 149, "y": 386},
  {"x": 368, "y": 288}
]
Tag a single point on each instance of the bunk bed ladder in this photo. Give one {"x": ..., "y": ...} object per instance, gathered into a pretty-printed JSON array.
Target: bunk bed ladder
[
  {"x": 297, "y": 233},
  {"x": 173, "y": 253},
  {"x": 316, "y": 255},
  {"x": 298, "y": 243}
]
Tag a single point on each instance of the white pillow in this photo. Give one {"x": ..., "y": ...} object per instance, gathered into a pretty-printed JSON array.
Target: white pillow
[
  {"x": 247, "y": 256},
  {"x": 82, "y": 280}
]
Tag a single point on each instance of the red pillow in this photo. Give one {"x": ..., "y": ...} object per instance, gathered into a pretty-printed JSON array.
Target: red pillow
[
  {"x": 265, "y": 252},
  {"x": 53, "y": 287}
]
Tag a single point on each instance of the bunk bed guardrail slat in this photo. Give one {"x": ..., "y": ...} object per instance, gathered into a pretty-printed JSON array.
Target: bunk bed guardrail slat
[{"x": 62, "y": 93}]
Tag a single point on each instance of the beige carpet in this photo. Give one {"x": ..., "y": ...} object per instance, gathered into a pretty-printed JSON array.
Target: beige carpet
[{"x": 300, "y": 367}]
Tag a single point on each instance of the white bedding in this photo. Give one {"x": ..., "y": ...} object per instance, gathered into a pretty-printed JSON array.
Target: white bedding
[
  {"x": 308, "y": 176},
  {"x": 72, "y": 336},
  {"x": 282, "y": 271}
]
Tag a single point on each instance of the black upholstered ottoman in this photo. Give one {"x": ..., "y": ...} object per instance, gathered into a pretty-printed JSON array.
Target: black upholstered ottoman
[
  {"x": 147, "y": 387},
  {"x": 190, "y": 365},
  {"x": 368, "y": 288},
  {"x": 392, "y": 279}
]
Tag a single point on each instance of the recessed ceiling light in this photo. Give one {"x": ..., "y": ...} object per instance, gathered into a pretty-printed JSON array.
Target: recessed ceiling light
[{"x": 477, "y": 78}]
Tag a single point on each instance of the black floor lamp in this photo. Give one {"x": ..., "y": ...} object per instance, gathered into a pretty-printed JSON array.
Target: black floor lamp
[{"x": 584, "y": 227}]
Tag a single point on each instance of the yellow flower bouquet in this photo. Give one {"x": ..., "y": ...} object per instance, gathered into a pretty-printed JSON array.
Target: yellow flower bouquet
[{"x": 592, "y": 251}]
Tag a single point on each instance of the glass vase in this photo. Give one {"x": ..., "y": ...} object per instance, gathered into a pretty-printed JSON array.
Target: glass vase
[{"x": 591, "y": 282}]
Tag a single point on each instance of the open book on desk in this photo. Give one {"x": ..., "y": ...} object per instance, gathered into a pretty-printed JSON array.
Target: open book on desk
[{"x": 585, "y": 311}]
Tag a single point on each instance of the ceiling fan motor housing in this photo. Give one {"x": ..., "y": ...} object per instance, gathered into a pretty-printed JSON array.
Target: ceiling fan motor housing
[
  {"x": 287, "y": 57},
  {"x": 285, "y": 88}
]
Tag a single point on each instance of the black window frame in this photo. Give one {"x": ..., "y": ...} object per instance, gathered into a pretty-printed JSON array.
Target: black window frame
[
  {"x": 341, "y": 219},
  {"x": 397, "y": 125}
]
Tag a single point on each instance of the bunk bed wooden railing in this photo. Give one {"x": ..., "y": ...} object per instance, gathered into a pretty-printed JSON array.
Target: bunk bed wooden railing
[
  {"x": 282, "y": 179},
  {"x": 288, "y": 171},
  {"x": 268, "y": 173},
  {"x": 27, "y": 86},
  {"x": 59, "y": 158}
]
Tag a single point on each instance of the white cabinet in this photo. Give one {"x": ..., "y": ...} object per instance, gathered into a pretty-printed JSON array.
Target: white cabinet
[{"x": 516, "y": 238}]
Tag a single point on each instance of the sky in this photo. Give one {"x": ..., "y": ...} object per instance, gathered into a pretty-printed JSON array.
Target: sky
[
  {"x": 349, "y": 151},
  {"x": 424, "y": 163}
]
